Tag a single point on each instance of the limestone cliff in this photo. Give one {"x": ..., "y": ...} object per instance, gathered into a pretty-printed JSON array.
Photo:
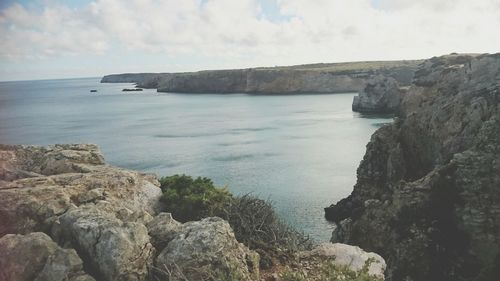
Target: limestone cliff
[
  {"x": 427, "y": 197},
  {"x": 316, "y": 78}
]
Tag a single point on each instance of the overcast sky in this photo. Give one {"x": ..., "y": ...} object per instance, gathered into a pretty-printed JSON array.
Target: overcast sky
[{"x": 78, "y": 38}]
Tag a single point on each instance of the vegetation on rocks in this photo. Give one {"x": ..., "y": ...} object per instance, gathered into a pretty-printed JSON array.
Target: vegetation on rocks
[{"x": 253, "y": 220}]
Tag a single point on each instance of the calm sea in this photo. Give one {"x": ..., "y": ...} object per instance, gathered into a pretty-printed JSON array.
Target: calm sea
[{"x": 300, "y": 151}]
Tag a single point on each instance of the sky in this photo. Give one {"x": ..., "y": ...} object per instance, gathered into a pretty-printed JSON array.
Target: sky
[{"x": 45, "y": 39}]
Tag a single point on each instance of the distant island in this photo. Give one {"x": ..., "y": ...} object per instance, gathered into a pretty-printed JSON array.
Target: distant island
[{"x": 309, "y": 78}]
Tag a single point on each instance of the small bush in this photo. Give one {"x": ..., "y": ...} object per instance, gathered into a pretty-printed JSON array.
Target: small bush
[
  {"x": 191, "y": 199},
  {"x": 256, "y": 225}
]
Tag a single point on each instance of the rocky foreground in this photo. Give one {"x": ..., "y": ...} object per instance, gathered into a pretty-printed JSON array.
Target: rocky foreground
[
  {"x": 315, "y": 78},
  {"x": 66, "y": 215},
  {"x": 427, "y": 196}
]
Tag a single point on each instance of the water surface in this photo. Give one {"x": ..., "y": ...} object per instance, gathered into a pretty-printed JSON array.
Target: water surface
[{"x": 300, "y": 151}]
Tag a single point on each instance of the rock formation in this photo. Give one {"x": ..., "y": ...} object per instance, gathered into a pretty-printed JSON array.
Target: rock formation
[
  {"x": 317, "y": 78},
  {"x": 35, "y": 256},
  {"x": 208, "y": 249},
  {"x": 66, "y": 215},
  {"x": 427, "y": 197},
  {"x": 379, "y": 95},
  {"x": 347, "y": 255}
]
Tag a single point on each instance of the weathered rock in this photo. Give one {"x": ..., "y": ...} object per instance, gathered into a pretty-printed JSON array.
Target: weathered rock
[
  {"x": 113, "y": 250},
  {"x": 379, "y": 95},
  {"x": 346, "y": 255},
  {"x": 162, "y": 229},
  {"x": 41, "y": 183},
  {"x": 207, "y": 249},
  {"x": 427, "y": 196},
  {"x": 36, "y": 257}
]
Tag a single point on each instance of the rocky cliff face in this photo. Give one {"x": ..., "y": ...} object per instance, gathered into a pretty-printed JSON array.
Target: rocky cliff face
[
  {"x": 67, "y": 216},
  {"x": 427, "y": 196},
  {"x": 320, "y": 78}
]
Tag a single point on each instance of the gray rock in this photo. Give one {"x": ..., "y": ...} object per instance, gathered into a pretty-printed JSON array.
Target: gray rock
[
  {"x": 36, "y": 257},
  {"x": 351, "y": 256},
  {"x": 379, "y": 95},
  {"x": 162, "y": 229},
  {"x": 114, "y": 250},
  {"x": 341, "y": 231},
  {"x": 207, "y": 249},
  {"x": 41, "y": 183}
]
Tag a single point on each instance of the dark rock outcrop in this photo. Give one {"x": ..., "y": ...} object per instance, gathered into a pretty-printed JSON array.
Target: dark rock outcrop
[
  {"x": 317, "y": 78},
  {"x": 379, "y": 95},
  {"x": 427, "y": 196}
]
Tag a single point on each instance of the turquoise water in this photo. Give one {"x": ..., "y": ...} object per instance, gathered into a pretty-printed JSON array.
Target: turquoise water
[{"x": 300, "y": 151}]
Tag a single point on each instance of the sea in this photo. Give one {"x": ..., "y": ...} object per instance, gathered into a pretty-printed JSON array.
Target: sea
[{"x": 300, "y": 152}]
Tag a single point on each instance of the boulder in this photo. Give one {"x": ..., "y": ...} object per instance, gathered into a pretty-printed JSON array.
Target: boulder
[
  {"x": 36, "y": 257},
  {"x": 351, "y": 256},
  {"x": 162, "y": 229},
  {"x": 207, "y": 250},
  {"x": 112, "y": 249}
]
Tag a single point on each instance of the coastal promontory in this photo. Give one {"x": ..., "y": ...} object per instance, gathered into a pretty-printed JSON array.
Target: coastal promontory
[{"x": 311, "y": 78}]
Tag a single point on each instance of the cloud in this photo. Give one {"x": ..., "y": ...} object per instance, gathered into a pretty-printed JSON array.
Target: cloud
[{"x": 228, "y": 33}]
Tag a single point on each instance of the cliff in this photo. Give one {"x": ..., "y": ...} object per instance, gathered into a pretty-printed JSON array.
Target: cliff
[
  {"x": 65, "y": 215},
  {"x": 315, "y": 78},
  {"x": 427, "y": 196}
]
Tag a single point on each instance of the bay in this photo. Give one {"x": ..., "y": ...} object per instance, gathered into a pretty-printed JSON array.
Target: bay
[{"x": 299, "y": 151}]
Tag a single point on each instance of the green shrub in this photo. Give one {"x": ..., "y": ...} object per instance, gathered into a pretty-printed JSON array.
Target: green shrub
[{"x": 193, "y": 199}]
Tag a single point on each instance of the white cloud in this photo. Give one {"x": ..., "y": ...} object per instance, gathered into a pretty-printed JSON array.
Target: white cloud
[{"x": 232, "y": 33}]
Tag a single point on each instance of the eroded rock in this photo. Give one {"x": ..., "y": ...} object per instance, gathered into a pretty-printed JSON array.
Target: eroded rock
[
  {"x": 163, "y": 229},
  {"x": 379, "y": 95},
  {"x": 38, "y": 184},
  {"x": 208, "y": 249},
  {"x": 36, "y": 257},
  {"x": 114, "y": 250},
  {"x": 351, "y": 256}
]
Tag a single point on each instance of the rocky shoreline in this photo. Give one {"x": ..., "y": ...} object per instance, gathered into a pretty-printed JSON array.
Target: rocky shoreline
[
  {"x": 67, "y": 215},
  {"x": 427, "y": 197}
]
